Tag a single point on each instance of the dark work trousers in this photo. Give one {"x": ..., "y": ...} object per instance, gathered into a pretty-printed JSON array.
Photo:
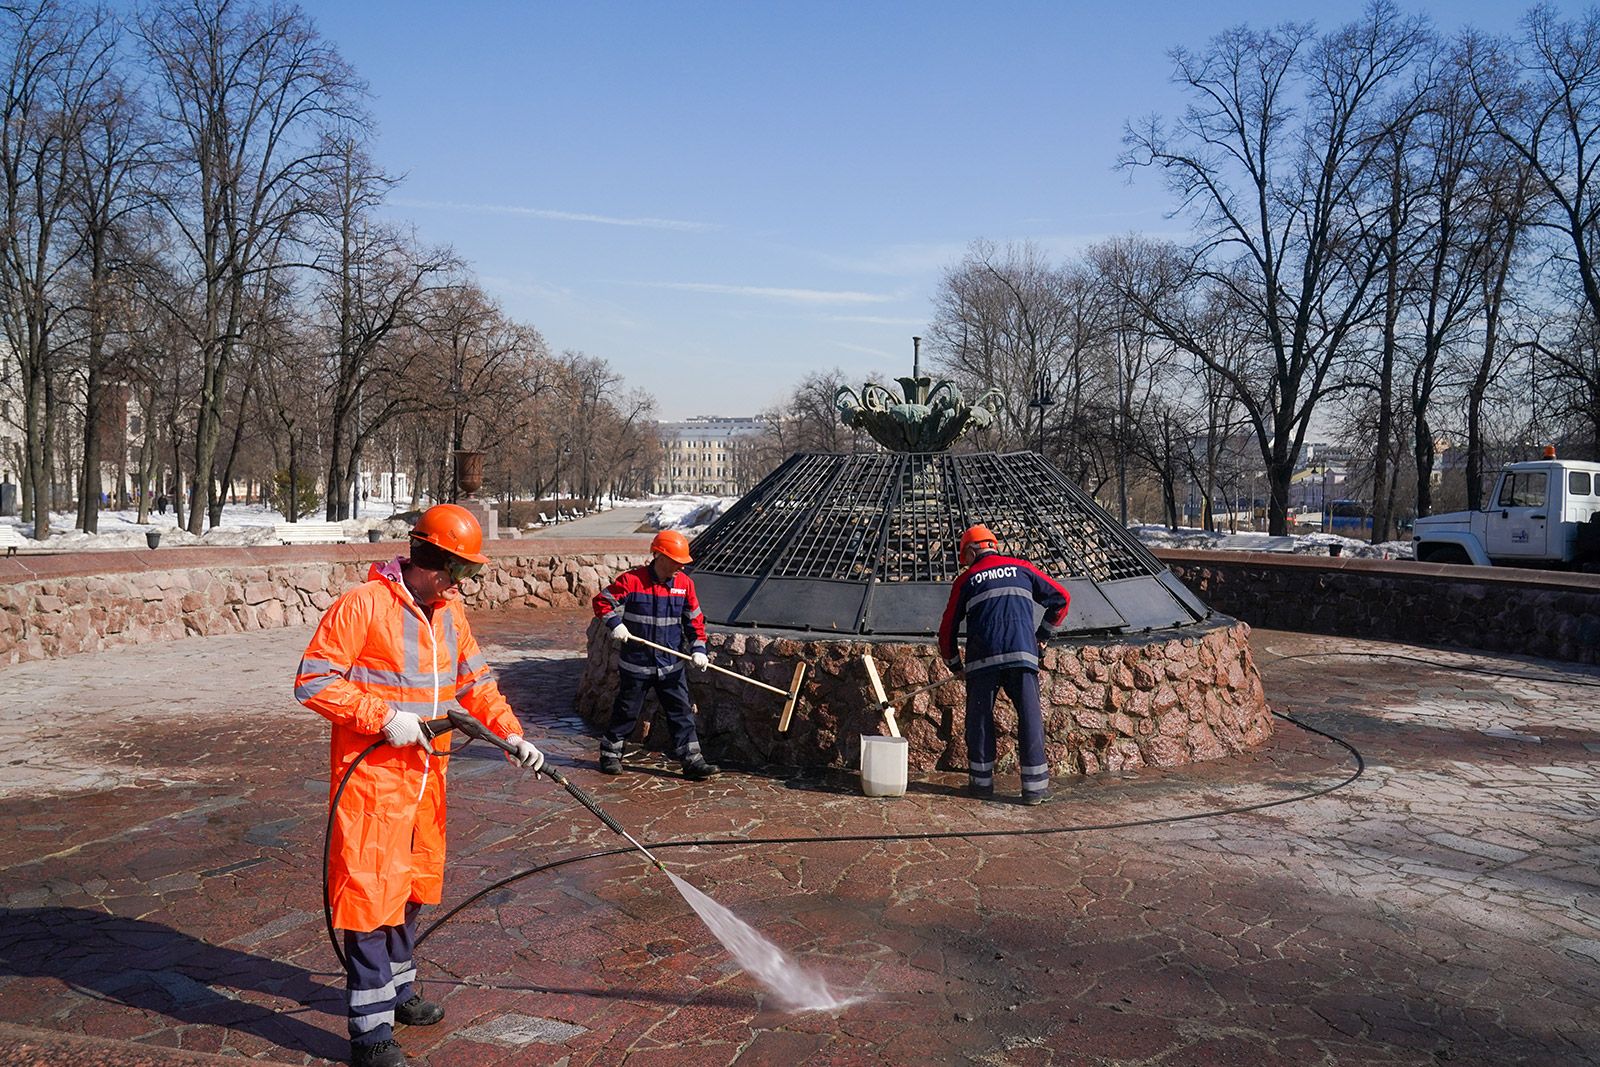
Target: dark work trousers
[
  {"x": 378, "y": 975},
  {"x": 673, "y": 692},
  {"x": 1022, "y": 686}
]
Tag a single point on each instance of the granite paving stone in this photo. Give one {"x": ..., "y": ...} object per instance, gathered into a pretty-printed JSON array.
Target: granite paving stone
[{"x": 162, "y": 809}]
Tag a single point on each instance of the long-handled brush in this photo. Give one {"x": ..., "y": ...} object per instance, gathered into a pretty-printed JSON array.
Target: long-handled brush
[
  {"x": 791, "y": 695},
  {"x": 885, "y": 705}
]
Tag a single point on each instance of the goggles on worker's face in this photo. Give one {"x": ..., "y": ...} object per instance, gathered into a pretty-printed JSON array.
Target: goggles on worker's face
[{"x": 460, "y": 570}]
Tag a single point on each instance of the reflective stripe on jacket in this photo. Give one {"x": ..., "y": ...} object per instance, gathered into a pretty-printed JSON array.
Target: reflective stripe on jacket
[
  {"x": 374, "y": 651},
  {"x": 996, "y": 596},
  {"x": 656, "y": 611}
]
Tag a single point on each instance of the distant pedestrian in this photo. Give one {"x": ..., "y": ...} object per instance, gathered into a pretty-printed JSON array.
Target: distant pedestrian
[
  {"x": 161, "y": 504},
  {"x": 995, "y": 596},
  {"x": 656, "y": 602}
]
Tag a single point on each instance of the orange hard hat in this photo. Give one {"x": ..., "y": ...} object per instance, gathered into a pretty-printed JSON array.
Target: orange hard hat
[
  {"x": 454, "y": 529},
  {"x": 673, "y": 545},
  {"x": 977, "y": 535}
]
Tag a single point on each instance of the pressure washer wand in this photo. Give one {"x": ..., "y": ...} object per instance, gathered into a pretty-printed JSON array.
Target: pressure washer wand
[
  {"x": 458, "y": 719},
  {"x": 587, "y": 801}
]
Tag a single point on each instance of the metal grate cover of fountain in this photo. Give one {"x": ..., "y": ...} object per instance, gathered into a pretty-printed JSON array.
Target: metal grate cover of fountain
[
  {"x": 833, "y": 556},
  {"x": 865, "y": 543}
]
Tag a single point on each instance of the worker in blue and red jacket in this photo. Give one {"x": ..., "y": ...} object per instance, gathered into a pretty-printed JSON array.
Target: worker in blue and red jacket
[
  {"x": 655, "y": 602},
  {"x": 996, "y": 595}
]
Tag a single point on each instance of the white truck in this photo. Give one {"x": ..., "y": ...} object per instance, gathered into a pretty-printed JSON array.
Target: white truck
[{"x": 1542, "y": 513}]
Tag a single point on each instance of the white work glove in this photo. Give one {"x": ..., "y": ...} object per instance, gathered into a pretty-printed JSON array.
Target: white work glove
[
  {"x": 701, "y": 660},
  {"x": 619, "y": 632},
  {"x": 404, "y": 728},
  {"x": 527, "y": 756}
]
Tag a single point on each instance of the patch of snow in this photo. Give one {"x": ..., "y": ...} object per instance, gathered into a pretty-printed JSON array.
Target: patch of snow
[
  {"x": 252, "y": 524},
  {"x": 691, "y": 514},
  {"x": 242, "y": 524},
  {"x": 1315, "y": 544}
]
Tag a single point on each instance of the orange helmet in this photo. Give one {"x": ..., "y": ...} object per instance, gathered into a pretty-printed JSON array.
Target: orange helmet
[
  {"x": 673, "y": 545},
  {"x": 976, "y": 536},
  {"x": 452, "y": 528}
]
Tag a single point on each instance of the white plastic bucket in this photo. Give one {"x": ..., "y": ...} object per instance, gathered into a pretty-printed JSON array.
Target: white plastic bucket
[{"x": 883, "y": 765}]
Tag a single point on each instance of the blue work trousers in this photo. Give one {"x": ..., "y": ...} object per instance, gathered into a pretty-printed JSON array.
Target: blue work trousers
[
  {"x": 1022, "y": 686},
  {"x": 673, "y": 692},
  {"x": 378, "y": 975}
]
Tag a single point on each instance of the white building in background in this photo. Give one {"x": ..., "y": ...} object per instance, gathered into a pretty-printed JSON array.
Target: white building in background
[
  {"x": 10, "y": 439},
  {"x": 390, "y": 487},
  {"x": 698, "y": 454}
]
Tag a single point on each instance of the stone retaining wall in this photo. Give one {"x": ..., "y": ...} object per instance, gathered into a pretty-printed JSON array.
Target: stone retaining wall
[
  {"x": 1108, "y": 704},
  {"x": 132, "y": 600},
  {"x": 1551, "y": 614}
]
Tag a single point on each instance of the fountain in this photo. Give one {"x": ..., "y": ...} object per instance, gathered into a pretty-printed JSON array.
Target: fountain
[{"x": 836, "y": 555}]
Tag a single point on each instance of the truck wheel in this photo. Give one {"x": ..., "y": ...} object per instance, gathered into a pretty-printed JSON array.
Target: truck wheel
[{"x": 1443, "y": 554}]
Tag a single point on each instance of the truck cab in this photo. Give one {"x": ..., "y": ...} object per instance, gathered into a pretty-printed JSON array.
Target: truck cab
[{"x": 1542, "y": 513}]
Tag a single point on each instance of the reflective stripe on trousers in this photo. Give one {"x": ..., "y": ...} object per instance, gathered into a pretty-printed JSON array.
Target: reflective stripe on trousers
[
  {"x": 1022, "y": 687},
  {"x": 378, "y": 975},
  {"x": 672, "y": 691}
]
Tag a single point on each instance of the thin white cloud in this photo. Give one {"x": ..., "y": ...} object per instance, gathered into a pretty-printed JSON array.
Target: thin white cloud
[
  {"x": 906, "y": 260},
  {"x": 876, "y": 353},
  {"x": 877, "y": 320},
  {"x": 798, "y": 296},
  {"x": 557, "y": 216}
]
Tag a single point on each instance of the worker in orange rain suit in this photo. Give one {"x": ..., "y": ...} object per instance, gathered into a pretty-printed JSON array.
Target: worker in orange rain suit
[
  {"x": 387, "y": 655},
  {"x": 995, "y": 596}
]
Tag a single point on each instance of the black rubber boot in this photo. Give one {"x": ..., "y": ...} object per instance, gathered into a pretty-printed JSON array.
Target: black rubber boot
[
  {"x": 610, "y": 764},
  {"x": 982, "y": 792},
  {"x": 418, "y": 1012},
  {"x": 1036, "y": 798},
  {"x": 382, "y": 1054},
  {"x": 698, "y": 770}
]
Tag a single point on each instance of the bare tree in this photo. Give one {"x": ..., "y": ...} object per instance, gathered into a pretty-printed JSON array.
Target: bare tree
[
  {"x": 1272, "y": 160},
  {"x": 112, "y": 171},
  {"x": 1006, "y": 319},
  {"x": 374, "y": 279},
  {"x": 57, "y": 59},
  {"x": 248, "y": 96}
]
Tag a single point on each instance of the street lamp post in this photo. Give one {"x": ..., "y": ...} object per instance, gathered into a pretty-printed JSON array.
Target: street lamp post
[
  {"x": 561, "y": 450},
  {"x": 1042, "y": 399},
  {"x": 1327, "y": 509}
]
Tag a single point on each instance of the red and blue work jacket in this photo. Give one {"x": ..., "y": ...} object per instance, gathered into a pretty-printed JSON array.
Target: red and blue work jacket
[
  {"x": 996, "y": 596},
  {"x": 656, "y": 611}
]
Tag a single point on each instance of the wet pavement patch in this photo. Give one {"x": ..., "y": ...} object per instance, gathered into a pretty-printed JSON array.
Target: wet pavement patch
[{"x": 516, "y": 1030}]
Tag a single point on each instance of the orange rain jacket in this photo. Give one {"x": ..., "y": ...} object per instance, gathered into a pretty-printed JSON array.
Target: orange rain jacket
[{"x": 374, "y": 651}]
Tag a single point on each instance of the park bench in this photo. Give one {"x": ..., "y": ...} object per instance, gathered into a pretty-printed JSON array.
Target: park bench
[
  {"x": 310, "y": 533},
  {"x": 1256, "y": 543},
  {"x": 10, "y": 540},
  {"x": 545, "y": 520}
]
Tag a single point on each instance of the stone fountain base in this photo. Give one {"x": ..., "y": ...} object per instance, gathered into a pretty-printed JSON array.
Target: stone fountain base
[{"x": 1181, "y": 696}]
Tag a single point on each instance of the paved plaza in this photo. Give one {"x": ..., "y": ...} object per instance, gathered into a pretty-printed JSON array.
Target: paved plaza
[{"x": 161, "y": 820}]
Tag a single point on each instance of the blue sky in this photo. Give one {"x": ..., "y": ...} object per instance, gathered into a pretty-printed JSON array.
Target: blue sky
[{"x": 718, "y": 198}]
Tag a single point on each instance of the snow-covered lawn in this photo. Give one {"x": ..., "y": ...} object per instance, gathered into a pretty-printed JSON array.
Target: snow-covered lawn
[
  {"x": 251, "y": 524},
  {"x": 691, "y": 514},
  {"x": 1315, "y": 544},
  {"x": 242, "y": 524}
]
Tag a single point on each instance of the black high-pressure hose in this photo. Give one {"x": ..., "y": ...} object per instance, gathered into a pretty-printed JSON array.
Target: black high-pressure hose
[
  {"x": 942, "y": 835},
  {"x": 461, "y": 719},
  {"x": 457, "y": 719},
  {"x": 327, "y": 849},
  {"x": 710, "y": 842}
]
